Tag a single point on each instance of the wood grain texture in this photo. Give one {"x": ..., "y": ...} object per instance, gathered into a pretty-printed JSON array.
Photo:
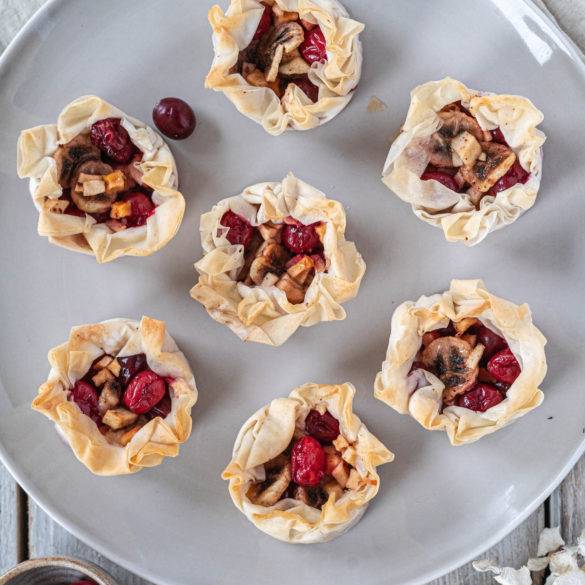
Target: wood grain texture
[
  {"x": 11, "y": 549},
  {"x": 47, "y": 538},
  {"x": 572, "y": 498},
  {"x": 513, "y": 551}
]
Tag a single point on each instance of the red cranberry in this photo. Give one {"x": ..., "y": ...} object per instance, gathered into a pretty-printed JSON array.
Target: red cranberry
[
  {"x": 130, "y": 366},
  {"x": 443, "y": 178},
  {"x": 498, "y": 136},
  {"x": 491, "y": 341},
  {"x": 307, "y": 87},
  {"x": 84, "y": 582},
  {"x": 300, "y": 239},
  {"x": 504, "y": 366},
  {"x": 324, "y": 427},
  {"x": 308, "y": 461},
  {"x": 144, "y": 392},
  {"x": 240, "y": 232},
  {"x": 515, "y": 175},
  {"x": 141, "y": 208},
  {"x": 480, "y": 398},
  {"x": 264, "y": 24},
  {"x": 314, "y": 47},
  {"x": 174, "y": 118},
  {"x": 113, "y": 140},
  {"x": 85, "y": 395},
  {"x": 163, "y": 408}
]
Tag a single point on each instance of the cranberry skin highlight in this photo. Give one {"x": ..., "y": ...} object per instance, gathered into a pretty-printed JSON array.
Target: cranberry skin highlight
[{"x": 174, "y": 118}]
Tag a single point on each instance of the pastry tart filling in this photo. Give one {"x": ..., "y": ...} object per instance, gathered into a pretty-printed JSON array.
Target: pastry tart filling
[
  {"x": 475, "y": 364},
  {"x": 311, "y": 469},
  {"x": 286, "y": 255},
  {"x": 276, "y": 259},
  {"x": 465, "y": 158},
  {"x": 303, "y": 468},
  {"x": 281, "y": 52},
  {"x": 103, "y": 183},
  {"x": 121, "y": 393},
  {"x": 286, "y": 64},
  {"x": 465, "y": 361},
  {"x": 98, "y": 176},
  {"x": 468, "y": 162}
]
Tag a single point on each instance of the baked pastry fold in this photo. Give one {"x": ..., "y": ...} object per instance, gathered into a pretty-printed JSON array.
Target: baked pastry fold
[
  {"x": 268, "y": 432},
  {"x": 263, "y": 313},
  {"x": 336, "y": 78},
  {"x": 70, "y": 361},
  {"x": 436, "y": 204},
  {"x": 36, "y": 147},
  {"x": 420, "y": 393}
]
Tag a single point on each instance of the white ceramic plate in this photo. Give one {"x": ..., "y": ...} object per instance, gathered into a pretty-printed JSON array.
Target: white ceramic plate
[{"x": 438, "y": 506}]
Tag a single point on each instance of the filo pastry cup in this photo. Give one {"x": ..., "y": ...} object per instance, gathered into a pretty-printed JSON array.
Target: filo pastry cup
[
  {"x": 70, "y": 361},
  {"x": 268, "y": 432},
  {"x": 436, "y": 204},
  {"x": 335, "y": 79},
  {"x": 263, "y": 313},
  {"x": 420, "y": 393},
  {"x": 35, "y": 160}
]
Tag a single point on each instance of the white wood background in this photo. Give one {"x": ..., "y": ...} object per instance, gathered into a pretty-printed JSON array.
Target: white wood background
[{"x": 27, "y": 532}]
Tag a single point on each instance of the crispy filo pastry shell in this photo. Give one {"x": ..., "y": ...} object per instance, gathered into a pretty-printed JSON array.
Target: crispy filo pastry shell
[
  {"x": 263, "y": 313},
  {"x": 35, "y": 160},
  {"x": 420, "y": 393},
  {"x": 159, "y": 438},
  {"x": 437, "y": 205},
  {"x": 335, "y": 79},
  {"x": 268, "y": 432}
]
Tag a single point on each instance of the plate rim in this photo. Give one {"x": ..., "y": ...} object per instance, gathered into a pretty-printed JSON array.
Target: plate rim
[{"x": 562, "y": 38}]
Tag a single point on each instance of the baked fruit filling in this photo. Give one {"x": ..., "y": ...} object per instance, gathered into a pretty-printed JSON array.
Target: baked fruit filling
[
  {"x": 475, "y": 364},
  {"x": 286, "y": 255},
  {"x": 282, "y": 51},
  {"x": 121, "y": 394},
  {"x": 315, "y": 468},
  {"x": 98, "y": 177},
  {"x": 465, "y": 158}
]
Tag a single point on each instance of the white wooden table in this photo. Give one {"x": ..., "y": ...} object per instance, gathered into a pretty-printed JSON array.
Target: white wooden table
[{"x": 26, "y": 531}]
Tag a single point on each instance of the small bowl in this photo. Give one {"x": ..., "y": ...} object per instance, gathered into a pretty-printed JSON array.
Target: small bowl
[{"x": 55, "y": 571}]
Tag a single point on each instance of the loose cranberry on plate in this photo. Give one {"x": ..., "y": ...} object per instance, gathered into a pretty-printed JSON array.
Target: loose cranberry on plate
[
  {"x": 504, "y": 366},
  {"x": 480, "y": 398},
  {"x": 314, "y": 48},
  {"x": 113, "y": 140},
  {"x": 241, "y": 230},
  {"x": 300, "y": 239},
  {"x": 324, "y": 427},
  {"x": 308, "y": 462},
  {"x": 144, "y": 392},
  {"x": 174, "y": 118}
]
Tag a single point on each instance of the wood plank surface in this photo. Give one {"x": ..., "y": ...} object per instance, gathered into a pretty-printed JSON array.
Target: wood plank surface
[
  {"x": 11, "y": 537},
  {"x": 512, "y": 551},
  {"x": 47, "y": 538}
]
